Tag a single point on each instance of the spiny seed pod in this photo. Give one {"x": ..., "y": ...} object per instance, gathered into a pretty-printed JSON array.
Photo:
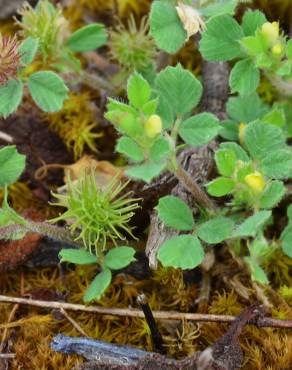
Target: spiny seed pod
[
  {"x": 255, "y": 182},
  {"x": 271, "y": 31},
  {"x": 9, "y": 58},
  {"x": 153, "y": 126}
]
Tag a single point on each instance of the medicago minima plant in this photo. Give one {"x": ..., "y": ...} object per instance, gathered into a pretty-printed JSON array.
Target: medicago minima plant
[{"x": 158, "y": 120}]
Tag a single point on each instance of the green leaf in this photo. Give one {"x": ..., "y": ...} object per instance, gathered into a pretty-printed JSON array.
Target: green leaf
[
  {"x": 119, "y": 257},
  {"x": 244, "y": 77},
  {"x": 255, "y": 48},
  {"x": 12, "y": 165},
  {"x": 146, "y": 172},
  {"x": 246, "y": 108},
  {"x": 257, "y": 273},
  {"x": 166, "y": 113},
  {"x": 277, "y": 164},
  {"x": 200, "y": 129},
  {"x": 77, "y": 256},
  {"x": 48, "y": 90},
  {"x": 237, "y": 149},
  {"x": 130, "y": 148},
  {"x": 159, "y": 150},
  {"x": 166, "y": 27},
  {"x": 226, "y": 161},
  {"x": 272, "y": 194},
  {"x": 260, "y": 139},
  {"x": 10, "y": 97},
  {"x": 175, "y": 213},
  {"x": 229, "y": 130},
  {"x": 275, "y": 117},
  {"x": 88, "y": 38},
  {"x": 28, "y": 50},
  {"x": 289, "y": 49},
  {"x": 183, "y": 251},
  {"x": 220, "y": 41},
  {"x": 150, "y": 107},
  {"x": 252, "y": 224},
  {"x": 139, "y": 90},
  {"x": 216, "y": 230},
  {"x": 180, "y": 88},
  {"x": 98, "y": 286},
  {"x": 285, "y": 68},
  {"x": 226, "y": 7},
  {"x": 286, "y": 238},
  {"x": 220, "y": 186},
  {"x": 252, "y": 20},
  {"x": 289, "y": 212}
]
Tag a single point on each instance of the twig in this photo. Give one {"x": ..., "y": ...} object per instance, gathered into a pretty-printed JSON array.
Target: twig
[
  {"x": 5, "y": 137},
  {"x": 131, "y": 312},
  {"x": 5, "y": 331},
  {"x": 7, "y": 355},
  {"x": 157, "y": 340},
  {"x": 73, "y": 322}
]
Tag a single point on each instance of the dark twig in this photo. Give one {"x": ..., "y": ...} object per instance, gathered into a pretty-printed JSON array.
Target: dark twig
[{"x": 157, "y": 340}]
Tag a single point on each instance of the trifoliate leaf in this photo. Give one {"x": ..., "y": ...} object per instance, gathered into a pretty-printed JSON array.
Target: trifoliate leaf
[
  {"x": 246, "y": 108},
  {"x": 175, "y": 213},
  {"x": 12, "y": 165},
  {"x": 220, "y": 186},
  {"x": 277, "y": 164},
  {"x": 216, "y": 230},
  {"x": 252, "y": 224},
  {"x": 183, "y": 251},
  {"x": 260, "y": 139},
  {"x": 244, "y": 77},
  {"x": 180, "y": 88},
  {"x": 225, "y": 161},
  {"x": 119, "y": 257},
  {"x": 200, "y": 129},
  {"x": 252, "y": 20},
  {"x": 28, "y": 50},
  {"x": 220, "y": 41},
  {"x": 48, "y": 90},
  {"x": 272, "y": 194},
  {"x": 77, "y": 256},
  {"x": 98, "y": 286},
  {"x": 130, "y": 148},
  {"x": 166, "y": 27},
  {"x": 88, "y": 38},
  {"x": 10, "y": 97},
  {"x": 138, "y": 90},
  {"x": 147, "y": 171},
  {"x": 226, "y": 7}
]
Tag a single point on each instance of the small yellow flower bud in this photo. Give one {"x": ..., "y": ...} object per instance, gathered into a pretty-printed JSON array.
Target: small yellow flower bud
[
  {"x": 277, "y": 49},
  {"x": 153, "y": 126},
  {"x": 242, "y": 127},
  {"x": 255, "y": 182},
  {"x": 271, "y": 31}
]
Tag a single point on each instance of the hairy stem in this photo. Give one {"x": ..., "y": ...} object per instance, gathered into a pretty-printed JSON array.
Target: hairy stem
[{"x": 199, "y": 194}]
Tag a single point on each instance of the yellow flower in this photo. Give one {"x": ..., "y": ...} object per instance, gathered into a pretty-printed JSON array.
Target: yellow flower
[
  {"x": 271, "y": 31},
  {"x": 191, "y": 19},
  {"x": 277, "y": 49},
  {"x": 153, "y": 126},
  {"x": 255, "y": 182},
  {"x": 241, "y": 130}
]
